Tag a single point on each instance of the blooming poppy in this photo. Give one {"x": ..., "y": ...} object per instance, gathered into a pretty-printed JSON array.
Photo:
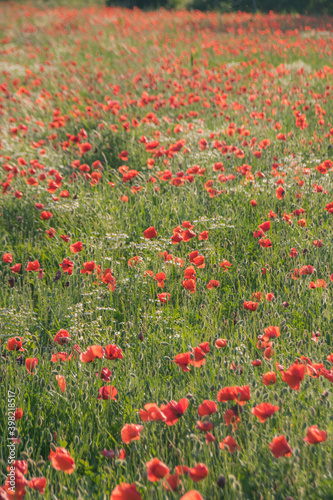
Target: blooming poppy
[
  {"x": 30, "y": 364},
  {"x": 203, "y": 236},
  {"x": 8, "y": 258},
  {"x": 198, "y": 357},
  {"x": 92, "y": 352},
  {"x": 151, "y": 412},
  {"x": 164, "y": 297},
  {"x": 38, "y": 484},
  {"x": 131, "y": 432},
  {"x": 269, "y": 378},
  {"x": 45, "y": 215},
  {"x": 231, "y": 417},
  {"x": 113, "y": 352},
  {"x": 213, "y": 284},
  {"x": 33, "y": 266},
  {"x": 280, "y": 192},
  {"x": 183, "y": 360},
  {"x": 15, "y": 344},
  {"x": 225, "y": 264},
  {"x": 192, "y": 495},
  {"x": 314, "y": 435},
  {"x": 61, "y": 382},
  {"x": 88, "y": 267},
  {"x": 156, "y": 470},
  {"x": 150, "y": 233},
  {"x": 204, "y": 426},
  {"x": 207, "y": 408},
  {"x": 174, "y": 410},
  {"x": 279, "y": 447},
  {"x": 125, "y": 491},
  {"x": 107, "y": 392},
  {"x": 76, "y": 247},
  {"x": 264, "y": 410},
  {"x": 61, "y": 460},
  {"x": 230, "y": 444},
  {"x": 250, "y": 306},
  {"x": 62, "y": 337},
  {"x": 18, "y": 414},
  {"x": 16, "y": 268},
  {"x": 199, "y": 472},
  {"x": 294, "y": 375}
]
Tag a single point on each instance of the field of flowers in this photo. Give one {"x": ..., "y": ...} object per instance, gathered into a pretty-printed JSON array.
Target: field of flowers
[{"x": 166, "y": 255}]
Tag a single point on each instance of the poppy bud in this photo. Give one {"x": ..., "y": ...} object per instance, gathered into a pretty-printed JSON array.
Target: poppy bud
[
  {"x": 214, "y": 266},
  {"x": 221, "y": 482},
  {"x": 189, "y": 396},
  {"x": 285, "y": 304},
  {"x": 325, "y": 394},
  {"x": 67, "y": 283},
  {"x": 140, "y": 336},
  {"x": 57, "y": 276},
  {"x": 11, "y": 282},
  {"x": 212, "y": 388},
  {"x": 305, "y": 251},
  {"x": 20, "y": 360},
  {"x": 19, "y": 219}
]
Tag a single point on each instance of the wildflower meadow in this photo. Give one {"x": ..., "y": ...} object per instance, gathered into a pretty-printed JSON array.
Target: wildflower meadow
[{"x": 166, "y": 255}]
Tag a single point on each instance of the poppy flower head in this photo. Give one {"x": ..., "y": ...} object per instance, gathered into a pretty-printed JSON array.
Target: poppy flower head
[
  {"x": 314, "y": 435},
  {"x": 125, "y": 491},
  {"x": 279, "y": 447},
  {"x": 156, "y": 470},
  {"x": 62, "y": 461},
  {"x": 131, "y": 432},
  {"x": 264, "y": 411},
  {"x": 150, "y": 233}
]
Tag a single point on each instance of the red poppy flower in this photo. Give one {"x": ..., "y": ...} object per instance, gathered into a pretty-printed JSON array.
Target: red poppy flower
[
  {"x": 264, "y": 410},
  {"x": 221, "y": 343},
  {"x": 315, "y": 436},
  {"x": 213, "y": 284},
  {"x": 61, "y": 382},
  {"x": 113, "y": 352},
  {"x": 76, "y": 247},
  {"x": 38, "y": 484},
  {"x": 15, "y": 344},
  {"x": 189, "y": 285},
  {"x": 46, "y": 215},
  {"x": 88, "y": 267},
  {"x": 30, "y": 364},
  {"x": 67, "y": 266},
  {"x": 271, "y": 332},
  {"x": 192, "y": 495},
  {"x": 199, "y": 472},
  {"x": 8, "y": 258},
  {"x": 230, "y": 417},
  {"x": 61, "y": 460},
  {"x": 198, "y": 357},
  {"x": 204, "y": 426},
  {"x": 265, "y": 226},
  {"x": 174, "y": 410},
  {"x": 230, "y": 444},
  {"x": 279, "y": 447},
  {"x": 62, "y": 337},
  {"x": 16, "y": 268},
  {"x": 92, "y": 352},
  {"x": 280, "y": 192},
  {"x": 33, "y": 266},
  {"x": 107, "y": 392},
  {"x": 18, "y": 414},
  {"x": 151, "y": 412},
  {"x": 269, "y": 378},
  {"x": 150, "y": 233},
  {"x": 225, "y": 265},
  {"x": 203, "y": 236},
  {"x": 164, "y": 297},
  {"x": 125, "y": 491},
  {"x": 131, "y": 432},
  {"x": 250, "y": 306},
  {"x": 207, "y": 408},
  {"x": 156, "y": 470},
  {"x": 294, "y": 375},
  {"x": 183, "y": 360}
]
